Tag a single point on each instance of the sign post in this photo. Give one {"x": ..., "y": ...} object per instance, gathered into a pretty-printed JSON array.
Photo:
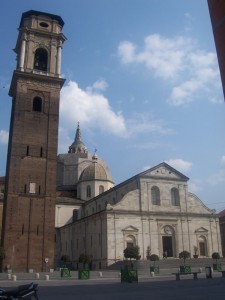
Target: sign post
[{"x": 46, "y": 262}]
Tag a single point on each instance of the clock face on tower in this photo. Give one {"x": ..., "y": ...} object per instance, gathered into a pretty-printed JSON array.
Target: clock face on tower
[{"x": 167, "y": 230}]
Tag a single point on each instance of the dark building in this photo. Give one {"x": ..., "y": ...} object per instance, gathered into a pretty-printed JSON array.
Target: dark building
[
  {"x": 222, "y": 230},
  {"x": 29, "y": 208},
  {"x": 217, "y": 15}
]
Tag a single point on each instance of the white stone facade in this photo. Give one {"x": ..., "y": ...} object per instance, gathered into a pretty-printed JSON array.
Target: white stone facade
[{"x": 153, "y": 210}]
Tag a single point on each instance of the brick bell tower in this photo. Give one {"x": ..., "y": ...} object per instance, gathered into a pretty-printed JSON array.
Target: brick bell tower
[{"x": 29, "y": 208}]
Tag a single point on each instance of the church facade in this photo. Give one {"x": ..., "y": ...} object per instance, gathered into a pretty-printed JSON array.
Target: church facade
[{"x": 153, "y": 210}]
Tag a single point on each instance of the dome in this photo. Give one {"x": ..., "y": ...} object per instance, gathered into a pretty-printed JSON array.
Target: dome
[{"x": 94, "y": 171}]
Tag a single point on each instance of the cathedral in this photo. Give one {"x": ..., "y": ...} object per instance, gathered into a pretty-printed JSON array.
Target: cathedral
[
  {"x": 153, "y": 210},
  {"x": 68, "y": 204}
]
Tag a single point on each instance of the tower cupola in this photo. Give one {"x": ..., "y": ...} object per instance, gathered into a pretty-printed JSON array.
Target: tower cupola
[{"x": 78, "y": 146}]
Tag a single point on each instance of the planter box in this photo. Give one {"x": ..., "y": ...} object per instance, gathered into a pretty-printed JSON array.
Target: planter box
[
  {"x": 129, "y": 275},
  {"x": 185, "y": 269},
  {"x": 65, "y": 272},
  {"x": 84, "y": 274},
  {"x": 155, "y": 269},
  {"x": 217, "y": 267}
]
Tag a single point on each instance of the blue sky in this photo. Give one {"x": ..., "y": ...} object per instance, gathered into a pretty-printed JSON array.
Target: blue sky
[{"x": 142, "y": 79}]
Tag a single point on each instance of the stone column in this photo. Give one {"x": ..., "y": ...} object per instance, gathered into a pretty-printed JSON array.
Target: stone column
[
  {"x": 59, "y": 58},
  {"x": 22, "y": 53}
]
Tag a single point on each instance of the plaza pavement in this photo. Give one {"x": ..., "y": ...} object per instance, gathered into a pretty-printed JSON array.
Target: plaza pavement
[{"x": 107, "y": 285}]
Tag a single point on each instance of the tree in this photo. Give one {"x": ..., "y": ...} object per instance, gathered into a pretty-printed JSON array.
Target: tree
[
  {"x": 65, "y": 259},
  {"x": 132, "y": 252},
  {"x": 154, "y": 257},
  {"x": 216, "y": 256},
  {"x": 184, "y": 255},
  {"x": 84, "y": 259}
]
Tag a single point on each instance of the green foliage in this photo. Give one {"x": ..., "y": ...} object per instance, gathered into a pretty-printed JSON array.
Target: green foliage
[
  {"x": 184, "y": 255},
  {"x": 84, "y": 258},
  {"x": 131, "y": 252},
  {"x": 216, "y": 256},
  {"x": 195, "y": 250},
  {"x": 65, "y": 258},
  {"x": 154, "y": 257}
]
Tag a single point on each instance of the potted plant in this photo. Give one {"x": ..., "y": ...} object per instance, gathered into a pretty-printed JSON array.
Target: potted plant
[
  {"x": 84, "y": 273},
  {"x": 216, "y": 266},
  {"x": 154, "y": 268},
  {"x": 195, "y": 255},
  {"x": 65, "y": 272},
  {"x": 128, "y": 274},
  {"x": 185, "y": 268}
]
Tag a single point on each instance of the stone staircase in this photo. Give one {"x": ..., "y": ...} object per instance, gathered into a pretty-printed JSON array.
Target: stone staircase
[{"x": 168, "y": 263}]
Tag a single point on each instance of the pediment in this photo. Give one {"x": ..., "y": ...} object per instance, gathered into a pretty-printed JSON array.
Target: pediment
[
  {"x": 130, "y": 229},
  {"x": 201, "y": 230},
  {"x": 164, "y": 170}
]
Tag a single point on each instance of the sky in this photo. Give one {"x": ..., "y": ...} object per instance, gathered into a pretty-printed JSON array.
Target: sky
[{"x": 142, "y": 78}]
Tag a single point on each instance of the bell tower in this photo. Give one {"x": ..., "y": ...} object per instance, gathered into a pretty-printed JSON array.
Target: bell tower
[{"x": 28, "y": 235}]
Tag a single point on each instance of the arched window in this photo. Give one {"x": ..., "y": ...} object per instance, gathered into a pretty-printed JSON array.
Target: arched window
[
  {"x": 41, "y": 59},
  {"x": 88, "y": 191},
  {"x": 155, "y": 195},
  {"x": 175, "y": 198},
  {"x": 101, "y": 189},
  {"x": 37, "y": 104}
]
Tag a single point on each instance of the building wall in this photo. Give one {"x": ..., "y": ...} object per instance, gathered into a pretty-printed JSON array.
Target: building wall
[{"x": 135, "y": 219}]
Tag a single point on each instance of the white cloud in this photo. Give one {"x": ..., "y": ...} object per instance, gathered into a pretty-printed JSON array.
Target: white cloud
[
  {"x": 90, "y": 108},
  {"x": 217, "y": 179},
  {"x": 161, "y": 55},
  {"x": 4, "y": 136},
  {"x": 180, "y": 164},
  {"x": 99, "y": 85},
  {"x": 145, "y": 168},
  {"x": 93, "y": 111},
  {"x": 190, "y": 71},
  {"x": 145, "y": 123},
  {"x": 126, "y": 51},
  {"x": 194, "y": 186}
]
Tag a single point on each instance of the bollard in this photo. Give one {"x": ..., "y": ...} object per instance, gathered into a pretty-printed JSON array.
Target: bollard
[
  {"x": 100, "y": 274},
  {"x": 46, "y": 277},
  {"x": 37, "y": 275},
  {"x": 152, "y": 274},
  {"x": 14, "y": 277},
  {"x": 9, "y": 276}
]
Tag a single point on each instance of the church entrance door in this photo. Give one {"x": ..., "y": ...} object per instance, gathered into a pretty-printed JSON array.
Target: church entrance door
[{"x": 167, "y": 245}]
